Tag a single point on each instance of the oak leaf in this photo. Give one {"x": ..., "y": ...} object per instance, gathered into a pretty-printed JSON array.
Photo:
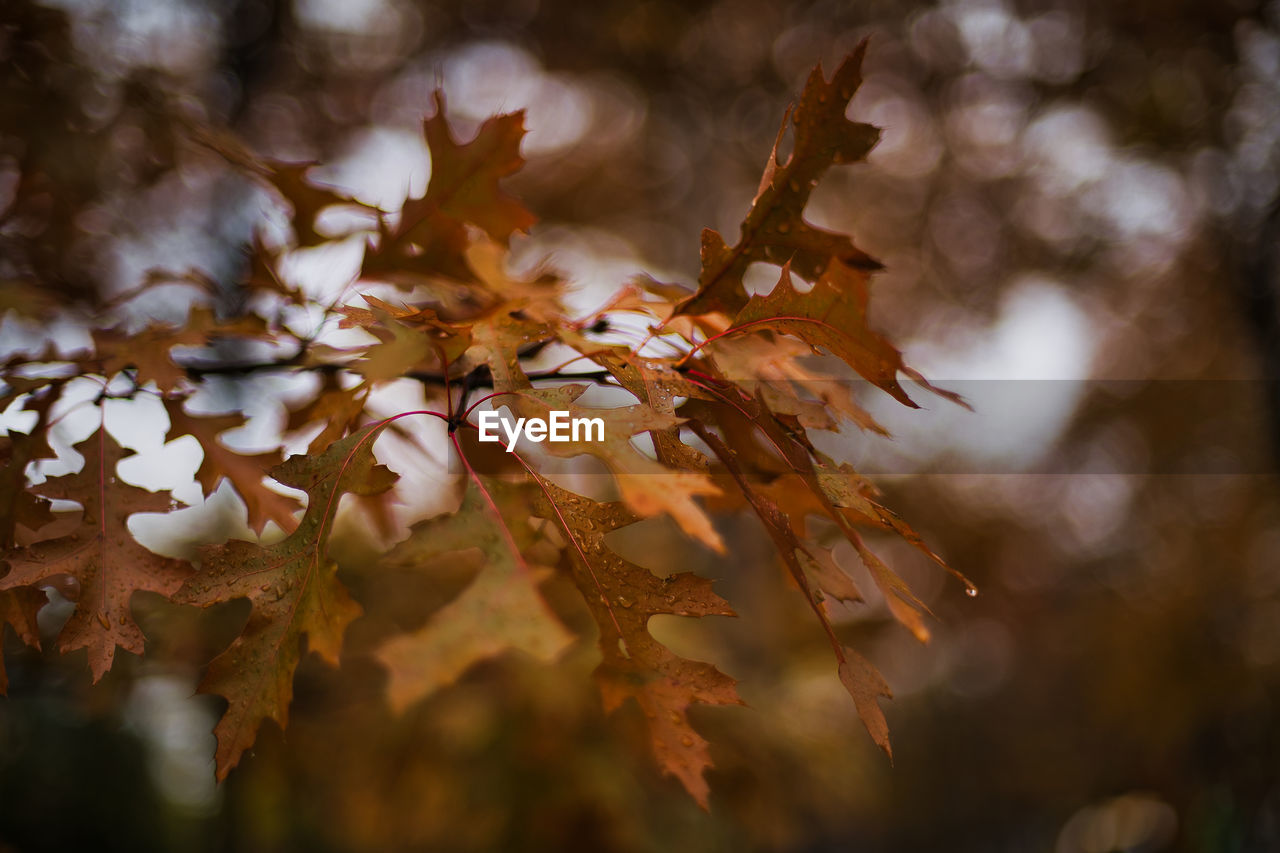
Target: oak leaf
[
  {"x": 148, "y": 352},
  {"x": 647, "y": 486},
  {"x": 833, "y": 316},
  {"x": 866, "y": 685},
  {"x": 101, "y": 555},
  {"x": 18, "y": 505},
  {"x": 335, "y": 405},
  {"x": 293, "y": 589},
  {"x": 622, "y": 597},
  {"x": 245, "y": 471},
  {"x": 774, "y": 229},
  {"x": 858, "y": 675},
  {"x": 307, "y": 198},
  {"x": 18, "y": 607},
  {"x": 500, "y": 610},
  {"x": 430, "y": 238}
]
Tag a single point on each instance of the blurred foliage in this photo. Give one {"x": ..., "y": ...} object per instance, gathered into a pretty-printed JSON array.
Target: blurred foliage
[{"x": 1115, "y": 685}]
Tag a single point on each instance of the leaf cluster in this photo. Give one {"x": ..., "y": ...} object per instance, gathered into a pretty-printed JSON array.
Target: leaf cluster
[{"x": 722, "y": 391}]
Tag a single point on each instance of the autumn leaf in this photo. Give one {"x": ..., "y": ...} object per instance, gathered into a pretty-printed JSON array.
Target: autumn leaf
[
  {"x": 501, "y": 610},
  {"x": 293, "y": 589},
  {"x": 858, "y": 675},
  {"x": 827, "y": 574},
  {"x": 622, "y": 596},
  {"x": 307, "y": 198},
  {"x": 657, "y": 385},
  {"x": 245, "y": 471},
  {"x": 18, "y": 505},
  {"x": 867, "y": 686},
  {"x": 264, "y": 273},
  {"x": 335, "y": 405},
  {"x": 858, "y": 501},
  {"x": 833, "y": 316},
  {"x": 101, "y": 555},
  {"x": 148, "y": 352},
  {"x": 647, "y": 486},
  {"x": 400, "y": 349},
  {"x": 18, "y": 607},
  {"x": 465, "y": 179},
  {"x": 430, "y": 237},
  {"x": 774, "y": 229},
  {"x": 536, "y": 296},
  {"x": 447, "y": 340},
  {"x": 709, "y": 400},
  {"x": 781, "y": 372}
]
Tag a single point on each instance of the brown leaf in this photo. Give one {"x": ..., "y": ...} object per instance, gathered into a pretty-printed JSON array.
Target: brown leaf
[
  {"x": 450, "y": 340},
  {"x": 147, "y": 351},
  {"x": 500, "y": 611},
  {"x": 465, "y": 178},
  {"x": 775, "y": 229},
  {"x": 647, "y": 486},
  {"x": 833, "y": 316},
  {"x": 657, "y": 385},
  {"x": 101, "y": 555},
  {"x": 294, "y": 590},
  {"x": 857, "y": 674},
  {"x": 866, "y": 685},
  {"x": 18, "y": 505},
  {"x": 828, "y": 575},
  {"x": 307, "y": 199},
  {"x": 19, "y": 607},
  {"x": 264, "y": 274},
  {"x": 622, "y": 597},
  {"x": 246, "y": 472},
  {"x": 858, "y": 501},
  {"x": 780, "y": 372},
  {"x": 400, "y": 349},
  {"x": 430, "y": 238},
  {"x": 336, "y": 406}
]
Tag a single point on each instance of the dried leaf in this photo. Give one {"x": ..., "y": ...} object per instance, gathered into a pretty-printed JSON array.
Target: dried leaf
[
  {"x": 501, "y": 610},
  {"x": 430, "y": 239},
  {"x": 775, "y": 229},
  {"x": 245, "y": 471},
  {"x": 866, "y": 685},
  {"x": 308, "y": 200},
  {"x": 622, "y": 597},
  {"x": 293, "y": 588},
  {"x": 101, "y": 554},
  {"x": 833, "y": 316},
  {"x": 19, "y": 607}
]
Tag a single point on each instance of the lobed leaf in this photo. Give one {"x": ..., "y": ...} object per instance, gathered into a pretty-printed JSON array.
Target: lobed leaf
[
  {"x": 100, "y": 554},
  {"x": 622, "y": 596},
  {"x": 293, "y": 589},
  {"x": 775, "y": 229},
  {"x": 501, "y": 609}
]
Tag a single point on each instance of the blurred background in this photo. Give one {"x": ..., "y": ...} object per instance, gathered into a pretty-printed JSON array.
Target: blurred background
[{"x": 1076, "y": 202}]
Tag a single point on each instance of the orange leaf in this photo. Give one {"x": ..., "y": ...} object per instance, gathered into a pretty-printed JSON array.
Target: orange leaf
[
  {"x": 622, "y": 596},
  {"x": 775, "y": 229}
]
